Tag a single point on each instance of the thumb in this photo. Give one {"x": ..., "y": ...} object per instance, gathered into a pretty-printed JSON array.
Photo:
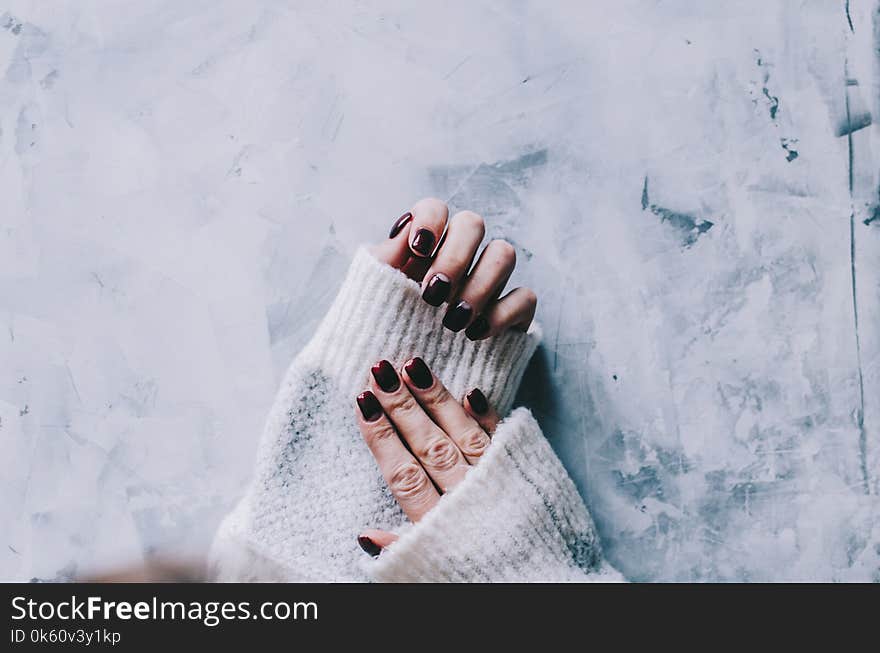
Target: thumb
[{"x": 373, "y": 541}]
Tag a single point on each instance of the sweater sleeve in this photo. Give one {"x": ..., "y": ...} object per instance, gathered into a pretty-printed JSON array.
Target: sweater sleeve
[
  {"x": 379, "y": 313},
  {"x": 316, "y": 486},
  {"x": 516, "y": 517}
]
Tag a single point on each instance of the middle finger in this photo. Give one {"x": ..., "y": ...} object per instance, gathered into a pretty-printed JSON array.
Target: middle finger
[
  {"x": 435, "y": 450},
  {"x": 483, "y": 285},
  {"x": 463, "y": 237},
  {"x": 443, "y": 409}
]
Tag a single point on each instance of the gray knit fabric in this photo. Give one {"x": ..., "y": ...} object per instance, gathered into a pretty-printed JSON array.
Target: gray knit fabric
[{"x": 316, "y": 486}]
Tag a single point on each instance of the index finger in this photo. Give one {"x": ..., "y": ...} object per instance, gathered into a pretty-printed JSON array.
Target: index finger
[{"x": 427, "y": 227}]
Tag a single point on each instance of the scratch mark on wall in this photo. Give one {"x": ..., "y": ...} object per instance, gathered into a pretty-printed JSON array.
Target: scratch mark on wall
[
  {"x": 49, "y": 80},
  {"x": 853, "y": 124},
  {"x": 490, "y": 189},
  {"x": 860, "y": 411},
  {"x": 457, "y": 67},
  {"x": 11, "y": 23},
  {"x": 791, "y": 153},
  {"x": 73, "y": 383},
  {"x": 774, "y": 102},
  {"x": 690, "y": 227},
  {"x": 338, "y": 125}
]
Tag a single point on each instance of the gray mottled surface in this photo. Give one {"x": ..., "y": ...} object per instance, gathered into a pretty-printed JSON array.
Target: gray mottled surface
[{"x": 693, "y": 189}]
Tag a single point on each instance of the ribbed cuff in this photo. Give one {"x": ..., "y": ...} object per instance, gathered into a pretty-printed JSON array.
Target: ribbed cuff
[
  {"x": 379, "y": 313},
  {"x": 516, "y": 517}
]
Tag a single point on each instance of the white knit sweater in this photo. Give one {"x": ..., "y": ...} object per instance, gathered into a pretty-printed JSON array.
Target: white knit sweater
[{"x": 515, "y": 517}]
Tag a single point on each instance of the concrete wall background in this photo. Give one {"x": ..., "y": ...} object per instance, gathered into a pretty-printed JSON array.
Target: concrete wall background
[{"x": 693, "y": 190}]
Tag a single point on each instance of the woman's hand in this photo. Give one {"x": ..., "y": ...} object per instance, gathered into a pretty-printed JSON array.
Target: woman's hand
[
  {"x": 439, "y": 255},
  {"x": 422, "y": 438}
]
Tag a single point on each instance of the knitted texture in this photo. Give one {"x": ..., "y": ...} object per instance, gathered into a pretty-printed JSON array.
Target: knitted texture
[
  {"x": 380, "y": 313},
  {"x": 316, "y": 486},
  {"x": 516, "y": 517}
]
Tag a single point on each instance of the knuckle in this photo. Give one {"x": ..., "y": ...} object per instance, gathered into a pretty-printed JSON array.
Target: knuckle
[
  {"x": 529, "y": 297},
  {"x": 399, "y": 403},
  {"x": 471, "y": 219},
  {"x": 432, "y": 206},
  {"x": 454, "y": 266},
  {"x": 381, "y": 430},
  {"x": 436, "y": 398},
  {"x": 408, "y": 480},
  {"x": 504, "y": 251},
  {"x": 504, "y": 313},
  {"x": 473, "y": 443},
  {"x": 440, "y": 453}
]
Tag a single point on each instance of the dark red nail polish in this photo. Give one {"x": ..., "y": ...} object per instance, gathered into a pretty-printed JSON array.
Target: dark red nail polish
[
  {"x": 478, "y": 401},
  {"x": 369, "y": 545},
  {"x": 478, "y": 328},
  {"x": 423, "y": 242},
  {"x": 419, "y": 373},
  {"x": 385, "y": 376},
  {"x": 370, "y": 407},
  {"x": 457, "y": 317},
  {"x": 399, "y": 224},
  {"x": 437, "y": 289}
]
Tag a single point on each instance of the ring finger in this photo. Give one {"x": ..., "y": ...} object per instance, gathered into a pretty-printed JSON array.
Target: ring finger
[
  {"x": 515, "y": 310},
  {"x": 445, "y": 411},
  {"x": 484, "y": 284}
]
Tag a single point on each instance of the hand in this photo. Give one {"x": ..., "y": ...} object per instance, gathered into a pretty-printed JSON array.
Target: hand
[
  {"x": 437, "y": 255},
  {"x": 422, "y": 438}
]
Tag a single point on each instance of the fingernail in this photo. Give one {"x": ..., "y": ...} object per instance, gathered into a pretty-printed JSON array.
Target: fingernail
[
  {"x": 423, "y": 242},
  {"x": 419, "y": 373},
  {"x": 437, "y": 289},
  {"x": 369, "y": 545},
  {"x": 370, "y": 407},
  {"x": 478, "y": 328},
  {"x": 478, "y": 401},
  {"x": 456, "y": 318},
  {"x": 385, "y": 376},
  {"x": 399, "y": 224}
]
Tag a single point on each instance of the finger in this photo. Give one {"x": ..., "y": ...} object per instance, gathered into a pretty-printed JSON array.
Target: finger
[
  {"x": 428, "y": 224},
  {"x": 394, "y": 250},
  {"x": 445, "y": 411},
  {"x": 416, "y": 267},
  {"x": 483, "y": 284},
  {"x": 433, "y": 448},
  {"x": 453, "y": 260},
  {"x": 373, "y": 540},
  {"x": 515, "y": 310},
  {"x": 481, "y": 410},
  {"x": 407, "y": 480}
]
